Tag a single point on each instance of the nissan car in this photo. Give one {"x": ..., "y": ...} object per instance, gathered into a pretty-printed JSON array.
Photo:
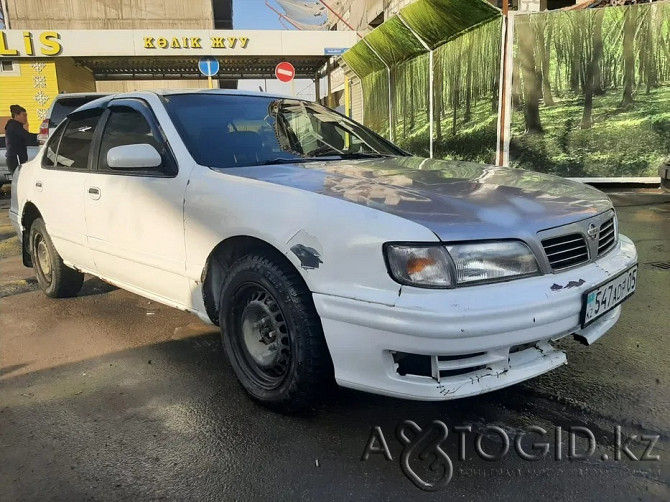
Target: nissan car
[{"x": 321, "y": 250}]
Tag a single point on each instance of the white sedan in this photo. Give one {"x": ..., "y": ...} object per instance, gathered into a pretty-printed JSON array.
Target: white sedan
[{"x": 320, "y": 249}]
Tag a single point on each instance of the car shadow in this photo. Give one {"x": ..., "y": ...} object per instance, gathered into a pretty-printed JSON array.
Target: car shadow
[
  {"x": 94, "y": 286},
  {"x": 6, "y": 370}
]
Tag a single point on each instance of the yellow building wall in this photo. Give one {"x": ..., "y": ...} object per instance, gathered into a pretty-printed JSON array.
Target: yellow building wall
[
  {"x": 73, "y": 77},
  {"x": 114, "y": 86},
  {"x": 39, "y": 81},
  {"x": 33, "y": 88}
]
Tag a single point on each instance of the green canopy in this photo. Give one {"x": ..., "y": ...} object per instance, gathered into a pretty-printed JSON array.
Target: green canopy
[
  {"x": 434, "y": 21},
  {"x": 438, "y": 21}
]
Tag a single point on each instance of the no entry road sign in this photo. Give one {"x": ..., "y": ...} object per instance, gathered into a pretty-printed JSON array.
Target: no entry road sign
[{"x": 285, "y": 72}]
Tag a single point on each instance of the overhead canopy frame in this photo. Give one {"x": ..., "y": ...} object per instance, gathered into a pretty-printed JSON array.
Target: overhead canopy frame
[
  {"x": 417, "y": 29},
  {"x": 165, "y": 68}
]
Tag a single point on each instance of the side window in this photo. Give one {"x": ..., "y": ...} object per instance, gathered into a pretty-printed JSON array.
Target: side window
[
  {"x": 51, "y": 148},
  {"x": 127, "y": 126},
  {"x": 75, "y": 144}
]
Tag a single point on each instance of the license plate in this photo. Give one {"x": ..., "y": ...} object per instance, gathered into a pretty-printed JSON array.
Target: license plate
[{"x": 608, "y": 295}]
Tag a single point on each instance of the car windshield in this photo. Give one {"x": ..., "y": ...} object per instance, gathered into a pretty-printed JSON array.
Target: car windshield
[{"x": 226, "y": 130}]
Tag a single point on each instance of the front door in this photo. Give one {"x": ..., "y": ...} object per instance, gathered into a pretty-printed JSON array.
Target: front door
[{"x": 134, "y": 216}]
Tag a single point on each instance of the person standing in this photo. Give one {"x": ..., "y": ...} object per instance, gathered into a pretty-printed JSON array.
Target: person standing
[{"x": 17, "y": 138}]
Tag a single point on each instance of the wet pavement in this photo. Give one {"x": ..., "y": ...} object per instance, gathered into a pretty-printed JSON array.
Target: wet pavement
[{"x": 110, "y": 396}]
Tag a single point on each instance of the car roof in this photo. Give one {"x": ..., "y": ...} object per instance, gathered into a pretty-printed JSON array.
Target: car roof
[
  {"x": 174, "y": 92},
  {"x": 105, "y": 98},
  {"x": 231, "y": 92},
  {"x": 77, "y": 95}
]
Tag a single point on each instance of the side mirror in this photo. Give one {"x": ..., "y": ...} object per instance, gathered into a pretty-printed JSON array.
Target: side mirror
[{"x": 142, "y": 156}]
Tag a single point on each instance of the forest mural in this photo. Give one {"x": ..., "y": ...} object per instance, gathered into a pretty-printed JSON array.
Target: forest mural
[{"x": 591, "y": 91}]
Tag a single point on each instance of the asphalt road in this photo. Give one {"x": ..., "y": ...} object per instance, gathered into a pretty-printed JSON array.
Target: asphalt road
[{"x": 110, "y": 396}]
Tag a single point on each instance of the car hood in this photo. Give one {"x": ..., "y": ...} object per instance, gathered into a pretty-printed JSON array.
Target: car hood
[{"x": 456, "y": 200}]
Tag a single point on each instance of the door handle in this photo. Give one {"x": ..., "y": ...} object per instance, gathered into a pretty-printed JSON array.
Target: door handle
[
  {"x": 38, "y": 185},
  {"x": 94, "y": 193}
]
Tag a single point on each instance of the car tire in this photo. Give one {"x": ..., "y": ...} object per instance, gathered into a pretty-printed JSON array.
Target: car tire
[
  {"x": 54, "y": 278},
  {"x": 272, "y": 334}
]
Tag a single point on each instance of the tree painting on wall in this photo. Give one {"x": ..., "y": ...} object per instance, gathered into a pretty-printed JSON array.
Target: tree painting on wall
[{"x": 591, "y": 91}]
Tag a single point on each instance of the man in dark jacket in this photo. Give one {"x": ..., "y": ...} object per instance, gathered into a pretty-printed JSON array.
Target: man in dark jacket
[{"x": 17, "y": 139}]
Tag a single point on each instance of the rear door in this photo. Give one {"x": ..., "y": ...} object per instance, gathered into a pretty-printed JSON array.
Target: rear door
[
  {"x": 134, "y": 217},
  {"x": 60, "y": 186}
]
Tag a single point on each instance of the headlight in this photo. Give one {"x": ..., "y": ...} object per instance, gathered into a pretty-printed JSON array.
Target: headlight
[
  {"x": 423, "y": 266},
  {"x": 445, "y": 266},
  {"x": 492, "y": 261}
]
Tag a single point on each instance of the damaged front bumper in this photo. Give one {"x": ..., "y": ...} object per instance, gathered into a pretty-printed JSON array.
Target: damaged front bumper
[{"x": 446, "y": 344}]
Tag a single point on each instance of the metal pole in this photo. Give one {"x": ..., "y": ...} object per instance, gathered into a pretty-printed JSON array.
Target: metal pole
[
  {"x": 210, "y": 84},
  {"x": 317, "y": 87},
  {"x": 431, "y": 100},
  {"x": 329, "y": 98},
  {"x": 502, "y": 96},
  {"x": 347, "y": 110},
  {"x": 388, "y": 69},
  {"x": 347, "y": 97}
]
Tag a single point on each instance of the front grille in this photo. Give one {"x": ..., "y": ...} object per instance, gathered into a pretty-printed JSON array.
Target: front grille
[
  {"x": 606, "y": 236},
  {"x": 566, "y": 251}
]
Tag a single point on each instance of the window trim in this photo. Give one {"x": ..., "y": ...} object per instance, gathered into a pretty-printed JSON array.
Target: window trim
[
  {"x": 171, "y": 167},
  {"x": 14, "y": 72},
  {"x": 64, "y": 125},
  {"x": 51, "y": 139}
]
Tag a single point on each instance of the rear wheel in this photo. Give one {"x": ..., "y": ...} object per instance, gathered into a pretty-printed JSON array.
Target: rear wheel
[
  {"x": 55, "y": 279},
  {"x": 272, "y": 334}
]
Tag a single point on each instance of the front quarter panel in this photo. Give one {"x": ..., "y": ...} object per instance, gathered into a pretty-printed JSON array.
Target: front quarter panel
[{"x": 334, "y": 244}]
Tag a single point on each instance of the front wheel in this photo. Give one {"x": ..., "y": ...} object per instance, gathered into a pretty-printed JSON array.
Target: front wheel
[
  {"x": 272, "y": 334},
  {"x": 55, "y": 279}
]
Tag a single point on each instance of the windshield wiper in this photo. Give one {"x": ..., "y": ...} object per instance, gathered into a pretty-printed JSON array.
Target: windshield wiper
[
  {"x": 322, "y": 158},
  {"x": 281, "y": 160},
  {"x": 363, "y": 155}
]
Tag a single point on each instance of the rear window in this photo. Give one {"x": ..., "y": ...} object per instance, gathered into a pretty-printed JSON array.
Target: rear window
[
  {"x": 64, "y": 106},
  {"x": 75, "y": 145}
]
